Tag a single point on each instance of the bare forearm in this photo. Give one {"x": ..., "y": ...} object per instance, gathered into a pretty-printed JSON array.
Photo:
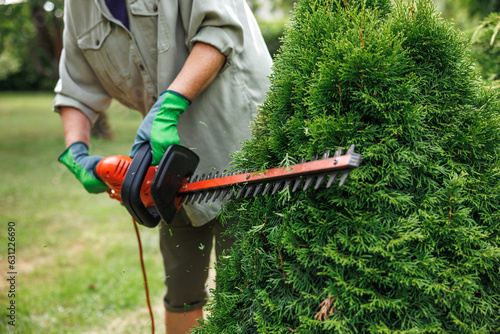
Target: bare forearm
[
  {"x": 76, "y": 126},
  {"x": 201, "y": 68}
]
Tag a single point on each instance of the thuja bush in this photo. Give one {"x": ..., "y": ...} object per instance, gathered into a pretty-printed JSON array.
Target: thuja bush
[{"x": 410, "y": 243}]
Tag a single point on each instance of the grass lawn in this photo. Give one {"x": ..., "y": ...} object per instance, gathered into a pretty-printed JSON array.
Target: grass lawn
[{"x": 76, "y": 254}]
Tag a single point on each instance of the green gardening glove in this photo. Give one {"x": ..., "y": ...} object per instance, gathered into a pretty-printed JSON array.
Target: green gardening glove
[
  {"x": 159, "y": 127},
  {"x": 76, "y": 158}
]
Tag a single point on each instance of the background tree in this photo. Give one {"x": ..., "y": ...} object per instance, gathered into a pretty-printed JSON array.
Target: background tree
[
  {"x": 468, "y": 12},
  {"x": 46, "y": 17},
  {"x": 480, "y": 20},
  {"x": 31, "y": 41},
  {"x": 485, "y": 46},
  {"x": 30, "y": 34},
  {"x": 283, "y": 6},
  {"x": 30, "y": 47}
]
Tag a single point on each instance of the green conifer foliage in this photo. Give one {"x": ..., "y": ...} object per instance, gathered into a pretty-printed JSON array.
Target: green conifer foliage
[{"x": 410, "y": 244}]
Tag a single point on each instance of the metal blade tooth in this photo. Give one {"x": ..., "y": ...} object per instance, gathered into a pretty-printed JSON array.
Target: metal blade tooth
[
  {"x": 287, "y": 184},
  {"x": 231, "y": 193},
  {"x": 195, "y": 197},
  {"x": 216, "y": 175},
  {"x": 351, "y": 149},
  {"x": 315, "y": 157},
  {"x": 319, "y": 181},
  {"x": 248, "y": 191},
  {"x": 195, "y": 178},
  {"x": 277, "y": 185},
  {"x": 224, "y": 193},
  {"x": 258, "y": 188},
  {"x": 266, "y": 189},
  {"x": 338, "y": 152},
  {"x": 202, "y": 177},
  {"x": 344, "y": 177},
  {"x": 209, "y": 196},
  {"x": 202, "y": 197},
  {"x": 302, "y": 160},
  {"x": 296, "y": 184},
  {"x": 209, "y": 177},
  {"x": 308, "y": 182},
  {"x": 326, "y": 155},
  {"x": 190, "y": 198},
  {"x": 185, "y": 199},
  {"x": 331, "y": 179},
  {"x": 216, "y": 194},
  {"x": 240, "y": 191}
]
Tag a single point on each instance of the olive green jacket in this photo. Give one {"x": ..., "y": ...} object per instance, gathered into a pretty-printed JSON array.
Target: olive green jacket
[{"x": 102, "y": 60}]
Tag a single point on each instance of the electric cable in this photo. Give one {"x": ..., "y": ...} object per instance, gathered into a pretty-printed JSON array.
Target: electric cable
[{"x": 144, "y": 276}]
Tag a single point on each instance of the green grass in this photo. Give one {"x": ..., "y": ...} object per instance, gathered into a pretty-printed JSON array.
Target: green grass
[{"x": 77, "y": 261}]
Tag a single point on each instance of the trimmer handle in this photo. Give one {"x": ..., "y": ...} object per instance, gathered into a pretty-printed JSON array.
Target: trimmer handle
[
  {"x": 131, "y": 189},
  {"x": 178, "y": 164},
  {"x": 112, "y": 170},
  {"x": 149, "y": 193}
]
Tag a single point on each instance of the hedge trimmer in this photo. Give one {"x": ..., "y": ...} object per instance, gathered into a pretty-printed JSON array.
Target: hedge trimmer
[
  {"x": 151, "y": 194},
  {"x": 154, "y": 193}
]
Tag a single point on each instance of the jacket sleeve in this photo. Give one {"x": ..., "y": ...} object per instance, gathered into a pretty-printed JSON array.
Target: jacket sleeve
[
  {"x": 214, "y": 22},
  {"x": 78, "y": 86}
]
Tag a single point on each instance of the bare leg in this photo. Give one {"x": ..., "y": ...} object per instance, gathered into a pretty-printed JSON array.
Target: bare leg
[{"x": 181, "y": 323}]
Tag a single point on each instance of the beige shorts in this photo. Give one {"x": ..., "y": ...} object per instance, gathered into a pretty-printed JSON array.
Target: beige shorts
[{"x": 186, "y": 257}]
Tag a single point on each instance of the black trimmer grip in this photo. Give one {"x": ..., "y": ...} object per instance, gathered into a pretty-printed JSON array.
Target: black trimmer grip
[
  {"x": 177, "y": 163},
  {"x": 131, "y": 189}
]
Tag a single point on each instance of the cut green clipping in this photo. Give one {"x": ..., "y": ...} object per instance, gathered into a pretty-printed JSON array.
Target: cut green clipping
[{"x": 78, "y": 161}]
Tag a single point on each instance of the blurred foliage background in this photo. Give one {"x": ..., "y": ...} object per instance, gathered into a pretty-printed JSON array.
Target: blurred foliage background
[
  {"x": 30, "y": 44},
  {"x": 63, "y": 290},
  {"x": 31, "y": 36}
]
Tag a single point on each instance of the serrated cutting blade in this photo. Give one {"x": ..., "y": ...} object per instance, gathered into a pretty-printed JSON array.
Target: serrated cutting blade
[{"x": 304, "y": 175}]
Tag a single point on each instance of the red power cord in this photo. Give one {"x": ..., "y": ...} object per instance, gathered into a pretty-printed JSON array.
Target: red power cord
[{"x": 144, "y": 276}]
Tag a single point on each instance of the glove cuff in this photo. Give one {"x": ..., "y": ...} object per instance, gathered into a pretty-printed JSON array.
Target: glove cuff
[
  {"x": 76, "y": 158},
  {"x": 76, "y": 147},
  {"x": 188, "y": 101}
]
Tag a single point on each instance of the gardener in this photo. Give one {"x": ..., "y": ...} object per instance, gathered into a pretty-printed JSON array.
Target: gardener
[{"x": 161, "y": 57}]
